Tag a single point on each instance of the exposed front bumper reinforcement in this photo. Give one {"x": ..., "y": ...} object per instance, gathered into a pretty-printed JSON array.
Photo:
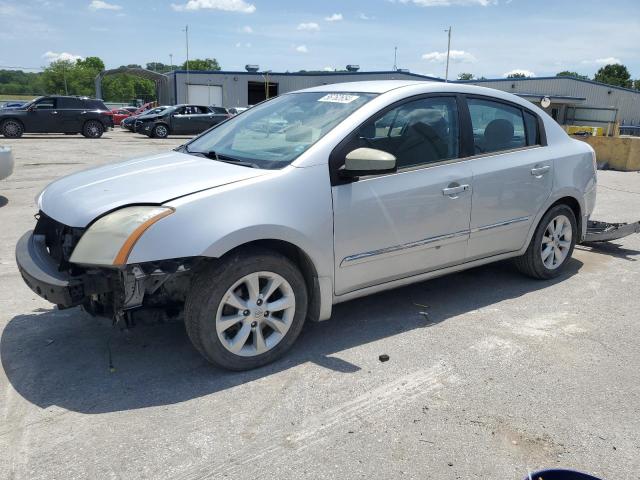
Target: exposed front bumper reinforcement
[{"x": 604, "y": 232}]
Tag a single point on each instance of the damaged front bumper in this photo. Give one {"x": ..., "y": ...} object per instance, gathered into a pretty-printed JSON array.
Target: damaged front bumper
[
  {"x": 41, "y": 273},
  {"x": 605, "y": 232}
]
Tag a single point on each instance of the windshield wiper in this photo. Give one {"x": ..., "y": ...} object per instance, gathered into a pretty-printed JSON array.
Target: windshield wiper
[{"x": 213, "y": 155}]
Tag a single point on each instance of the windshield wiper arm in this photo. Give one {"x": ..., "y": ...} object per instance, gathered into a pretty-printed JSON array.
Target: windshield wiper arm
[{"x": 212, "y": 154}]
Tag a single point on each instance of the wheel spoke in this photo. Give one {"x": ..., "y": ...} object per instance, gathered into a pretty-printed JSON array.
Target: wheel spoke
[
  {"x": 229, "y": 321},
  {"x": 278, "y": 325},
  {"x": 564, "y": 244},
  {"x": 546, "y": 239},
  {"x": 235, "y": 301},
  {"x": 546, "y": 252},
  {"x": 252, "y": 282},
  {"x": 240, "y": 339},
  {"x": 258, "y": 340},
  {"x": 272, "y": 285},
  {"x": 280, "y": 304}
]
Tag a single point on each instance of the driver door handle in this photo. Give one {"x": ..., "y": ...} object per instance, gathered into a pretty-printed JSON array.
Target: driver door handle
[
  {"x": 539, "y": 171},
  {"x": 453, "y": 190},
  {"x": 54, "y": 112}
]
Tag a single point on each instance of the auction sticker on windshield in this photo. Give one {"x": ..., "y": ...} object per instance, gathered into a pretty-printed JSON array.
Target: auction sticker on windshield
[{"x": 338, "y": 98}]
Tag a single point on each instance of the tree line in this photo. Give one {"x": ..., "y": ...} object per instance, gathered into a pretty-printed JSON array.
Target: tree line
[
  {"x": 67, "y": 77},
  {"x": 612, "y": 74}
]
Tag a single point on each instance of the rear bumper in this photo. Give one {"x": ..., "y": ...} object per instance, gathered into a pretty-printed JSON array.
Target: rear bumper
[{"x": 40, "y": 272}]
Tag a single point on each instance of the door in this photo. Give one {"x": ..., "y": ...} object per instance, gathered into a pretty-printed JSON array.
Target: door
[
  {"x": 416, "y": 220},
  {"x": 181, "y": 121},
  {"x": 71, "y": 114},
  {"x": 512, "y": 176},
  {"x": 205, "y": 94},
  {"x": 203, "y": 119},
  {"x": 44, "y": 117}
]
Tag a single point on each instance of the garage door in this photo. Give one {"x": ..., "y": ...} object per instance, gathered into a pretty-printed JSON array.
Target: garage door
[{"x": 205, "y": 95}]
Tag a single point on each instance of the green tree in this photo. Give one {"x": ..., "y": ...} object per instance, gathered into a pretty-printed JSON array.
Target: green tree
[
  {"x": 567, "y": 73},
  {"x": 123, "y": 87},
  {"x": 465, "y": 76},
  {"x": 614, "y": 74},
  {"x": 159, "y": 67},
  {"x": 636, "y": 84},
  {"x": 58, "y": 77},
  {"x": 201, "y": 64}
]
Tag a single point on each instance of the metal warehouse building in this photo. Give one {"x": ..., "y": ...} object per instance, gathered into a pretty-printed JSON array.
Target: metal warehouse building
[
  {"x": 240, "y": 89},
  {"x": 573, "y": 101}
]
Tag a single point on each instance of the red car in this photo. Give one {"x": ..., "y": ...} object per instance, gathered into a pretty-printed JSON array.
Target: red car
[{"x": 119, "y": 114}]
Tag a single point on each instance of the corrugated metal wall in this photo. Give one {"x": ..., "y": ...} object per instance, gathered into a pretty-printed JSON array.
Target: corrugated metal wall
[
  {"x": 235, "y": 85},
  {"x": 597, "y": 95}
]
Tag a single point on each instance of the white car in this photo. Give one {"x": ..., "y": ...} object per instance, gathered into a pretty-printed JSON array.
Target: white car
[
  {"x": 6, "y": 162},
  {"x": 363, "y": 187}
]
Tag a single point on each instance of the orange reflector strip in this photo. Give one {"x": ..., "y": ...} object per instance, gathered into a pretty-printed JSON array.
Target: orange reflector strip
[{"x": 128, "y": 245}]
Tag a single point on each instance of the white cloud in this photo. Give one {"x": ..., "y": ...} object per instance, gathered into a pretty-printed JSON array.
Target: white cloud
[
  {"x": 364, "y": 16},
  {"x": 240, "y": 45},
  {"x": 602, "y": 61},
  {"x": 302, "y": 49},
  {"x": 526, "y": 73},
  {"x": 336, "y": 17},
  {"x": 309, "y": 27},
  {"x": 100, "y": 5},
  {"x": 224, "y": 5},
  {"x": 329, "y": 69},
  {"x": 456, "y": 56},
  {"x": 54, "y": 56},
  {"x": 449, "y": 3},
  {"x": 246, "y": 29}
]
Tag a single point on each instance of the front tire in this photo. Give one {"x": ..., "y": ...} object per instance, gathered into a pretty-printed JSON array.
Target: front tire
[
  {"x": 246, "y": 310},
  {"x": 160, "y": 131},
  {"x": 12, "y": 128},
  {"x": 93, "y": 129},
  {"x": 552, "y": 244}
]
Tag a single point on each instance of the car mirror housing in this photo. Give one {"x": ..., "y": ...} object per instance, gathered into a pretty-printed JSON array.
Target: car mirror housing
[{"x": 368, "y": 161}]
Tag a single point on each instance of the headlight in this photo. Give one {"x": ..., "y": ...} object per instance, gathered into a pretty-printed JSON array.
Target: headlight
[{"x": 110, "y": 239}]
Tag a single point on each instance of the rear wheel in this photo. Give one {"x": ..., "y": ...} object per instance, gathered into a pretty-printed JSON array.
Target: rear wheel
[
  {"x": 93, "y": 129},
  {"x": 247, "y": 310},
  {"x": 12, "y": 128},
  {"x": 552, "y": 244},
  {"x": 160, "y": 131}
]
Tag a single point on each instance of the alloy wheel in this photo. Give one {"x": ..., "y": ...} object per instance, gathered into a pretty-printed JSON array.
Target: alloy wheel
[
  {"x": 255, "y": 314},
  {"x": 556, "y": 242}
]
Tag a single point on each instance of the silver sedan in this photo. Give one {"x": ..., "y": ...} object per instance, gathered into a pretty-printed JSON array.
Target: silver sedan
[{"x": 310, "y": 199}]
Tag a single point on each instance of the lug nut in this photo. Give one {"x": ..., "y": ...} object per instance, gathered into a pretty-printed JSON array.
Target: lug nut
[
  {"x": 259, "y": 302},
  {"x": 246, "y": 313},
  {"x": 266, "y": 314},
  {"x": 254, "y": 324}
]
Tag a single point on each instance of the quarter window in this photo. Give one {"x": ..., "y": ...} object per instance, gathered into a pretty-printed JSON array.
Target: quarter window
[
  {"x": 46, "y": 104},
  {"x": 417, "y": 133},
  {"x": 496, "y": 126},
  {"x": 531, "y": 126}
]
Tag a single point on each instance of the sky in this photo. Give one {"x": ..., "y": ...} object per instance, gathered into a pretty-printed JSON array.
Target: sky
[{"x": 490, "y": 38}]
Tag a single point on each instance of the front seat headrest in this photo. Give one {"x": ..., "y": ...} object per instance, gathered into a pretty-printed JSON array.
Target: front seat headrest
[{"x": 498, "y": 134}]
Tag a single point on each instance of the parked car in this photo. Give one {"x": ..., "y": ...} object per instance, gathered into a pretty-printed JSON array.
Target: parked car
[
  {"x": 57, "y": 114},
  {"x": 120, "y": 114},
  {"x": 249, "y": 234},
  {"x": 6, "y": 162},
  {"x": 180, "y": 120},
  {"x": 129, "y": 122}
]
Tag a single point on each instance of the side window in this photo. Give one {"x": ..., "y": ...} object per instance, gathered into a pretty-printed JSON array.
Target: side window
[
  {"x": 46, "y": 104},
  {"x": 180, "y": 111},
  {"x": 69, "y": 103},
  {"x": 419, "y": 132},
  {"x": 496, "y": 126},
  {"x": 531, "y": 126}
]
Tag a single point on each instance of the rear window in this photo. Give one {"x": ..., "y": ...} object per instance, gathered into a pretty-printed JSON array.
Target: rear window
[
  {"x": 68, "y": 103},
  {"x": 92, "y": 104},
  {"x": 219, "y": 110}
]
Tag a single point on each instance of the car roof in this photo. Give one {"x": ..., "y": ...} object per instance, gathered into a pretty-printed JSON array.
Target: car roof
[{"x": 371, "y": 86}]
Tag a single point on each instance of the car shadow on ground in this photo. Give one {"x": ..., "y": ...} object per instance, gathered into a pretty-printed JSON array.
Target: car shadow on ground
[
  {"x": 612, "y": 249},
  {"x": 61, "y": 358},
  {"x": 3, "y": 201}
]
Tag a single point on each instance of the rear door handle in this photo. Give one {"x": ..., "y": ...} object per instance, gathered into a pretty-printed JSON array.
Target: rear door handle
[
  {"x": 539, "y": 171},
  {"x": 453, "y": 190}
]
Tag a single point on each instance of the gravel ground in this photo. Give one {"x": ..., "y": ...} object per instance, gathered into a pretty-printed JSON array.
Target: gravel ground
[{"x": 499, "y": 375}]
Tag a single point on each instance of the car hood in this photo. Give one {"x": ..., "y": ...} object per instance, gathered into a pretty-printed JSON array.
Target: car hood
[{"x": 79, "y": 198}]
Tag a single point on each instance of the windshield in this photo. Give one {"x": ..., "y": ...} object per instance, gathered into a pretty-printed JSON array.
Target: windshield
[
  {"x": 276, "y": 132},
  {"x": 153, "y": 111}
]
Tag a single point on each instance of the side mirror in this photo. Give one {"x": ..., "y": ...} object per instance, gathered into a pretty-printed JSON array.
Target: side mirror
[
  {"x": 368, "y": 161},
  {"x": 32, "y": 108}
]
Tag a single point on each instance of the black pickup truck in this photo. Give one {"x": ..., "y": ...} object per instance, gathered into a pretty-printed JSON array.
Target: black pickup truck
[
  {"x": 181, "y": 120},
  {"x": 57, "y": 114}
]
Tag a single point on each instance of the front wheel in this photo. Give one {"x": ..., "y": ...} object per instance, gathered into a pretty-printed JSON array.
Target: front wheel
[
  {"x": 93, "y": 129},
  {"x": 160, "y": 131},
  {"x": 246, "y": 310},
  {"x": 552, "y": 244},
  {"x": 12, "y": 128}
]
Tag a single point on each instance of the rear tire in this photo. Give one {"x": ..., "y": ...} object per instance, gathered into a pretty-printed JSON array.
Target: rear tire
[
  {"x": 551, "y": 246},
  {"x": 12, "y": 128},
  {"x": 247, "y": 310},
  {"x": 93, "y": 129},
  {"x": 160, "y": 131}
]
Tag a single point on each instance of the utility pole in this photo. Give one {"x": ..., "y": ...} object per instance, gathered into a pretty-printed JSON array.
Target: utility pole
[
  {"x": 186, "y": 32},
  {"x": 395, "y": 58},
  {"x": 64, "y": 76},
  {"x": 446, "y": 73},
  {"x": 171, "y": 61}
]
